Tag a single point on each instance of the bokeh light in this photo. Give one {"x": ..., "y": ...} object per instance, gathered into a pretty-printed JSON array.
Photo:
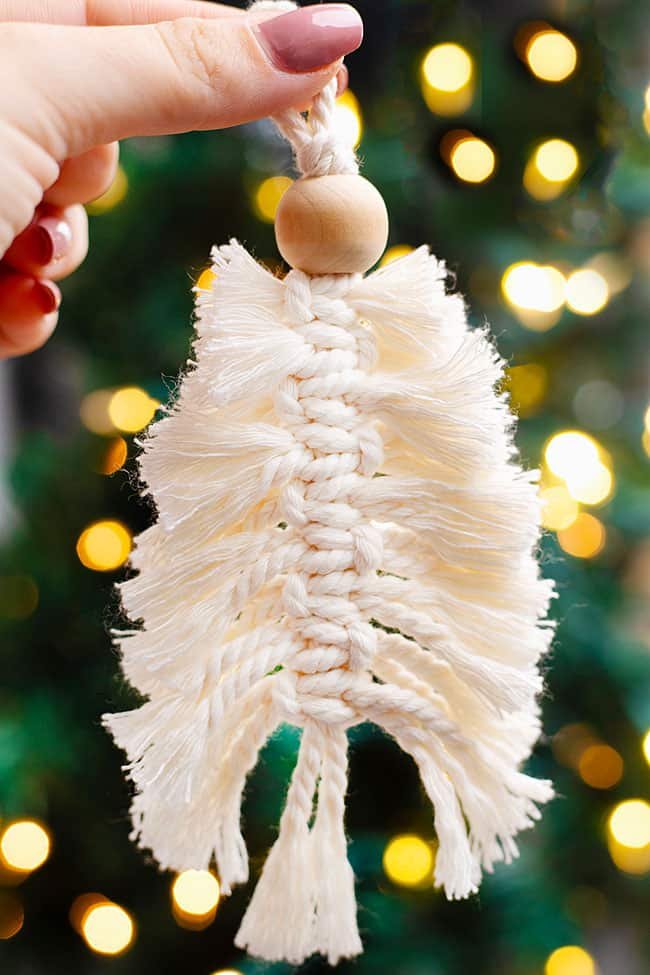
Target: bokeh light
[
  {"x": 94, "y": 412},
  {"x": 629, "y": 823},
  {"x": 586, "y": 291},
  {"x": 12, "y": 915},
  {"x": 394, "y": 253},
  {"x": 600, "y": 766},
  {"x": 557, "y": 160},
  {"x": 205, "y": 279},
  {"x": 473, "y": 160},
  {"x": 25, "y": 846},
  {"x": 18, "y": 597},
  {"x": 408, "y": 861},
  {"x": 585, "y": 538},
  {"x": 570, "y": 960},
  {"x": 559, "y": 509},
  {"x": 447, "y": 79},
  {"x": 570, "y": 742},
  {"x": 348, "y": 118},
  {"x": 447, "y": 66},
  {"x": 267, "y": 196},
  {"x": 195, "y": 894},
  {"x": 535, "y": 287},
  {"x": 527, "y": 385},
  {"x": 113, "y": 195},
  {"x": 566, "y": 451},
  {"x": 646, "y": 746},
  {"x": 114, "y": 456},
  {"x": 598, "y": 404},
  {"x": 104, "y": 545},
  {"x": 108, "y": 929},
  {"x": 131, "y": 409},
  {"x": 551, "y": 56}
]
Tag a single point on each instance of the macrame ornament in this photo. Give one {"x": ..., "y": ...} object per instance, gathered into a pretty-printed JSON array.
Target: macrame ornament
[{"x": 344, "y": 535}]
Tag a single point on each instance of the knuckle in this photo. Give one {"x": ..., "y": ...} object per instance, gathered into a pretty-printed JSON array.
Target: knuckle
[{"x": 190, "y": 45}]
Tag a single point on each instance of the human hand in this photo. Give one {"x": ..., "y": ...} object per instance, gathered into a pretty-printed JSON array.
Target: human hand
[{"x": 78, "y": 75}]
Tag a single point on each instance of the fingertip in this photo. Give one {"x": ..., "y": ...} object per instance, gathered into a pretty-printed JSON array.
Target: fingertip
[{"x": 28, "y": 313}]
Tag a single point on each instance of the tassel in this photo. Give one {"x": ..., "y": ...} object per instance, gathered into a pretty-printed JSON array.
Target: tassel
[{"x": 286, "y": 581}]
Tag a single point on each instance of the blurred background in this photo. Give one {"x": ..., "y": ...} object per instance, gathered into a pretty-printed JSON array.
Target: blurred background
[{"x": 512, "y": 137}]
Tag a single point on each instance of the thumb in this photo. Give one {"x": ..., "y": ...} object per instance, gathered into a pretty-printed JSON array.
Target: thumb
[{"x": 90, "y": 85}]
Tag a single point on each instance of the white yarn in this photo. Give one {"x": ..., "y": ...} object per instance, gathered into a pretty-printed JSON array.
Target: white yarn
[{"x": 286, "y": 581}]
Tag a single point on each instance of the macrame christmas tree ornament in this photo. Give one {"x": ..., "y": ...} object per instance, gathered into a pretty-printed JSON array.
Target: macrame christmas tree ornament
[{"x": 344, "y": 535}]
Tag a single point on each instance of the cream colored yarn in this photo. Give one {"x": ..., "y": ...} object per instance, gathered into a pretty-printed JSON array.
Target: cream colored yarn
[{"x": 344, "y": 535}]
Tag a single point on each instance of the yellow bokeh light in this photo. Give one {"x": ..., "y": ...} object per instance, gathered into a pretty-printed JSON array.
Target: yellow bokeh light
[
  {"x": 473, "y": 160},
  {"x": 592, "y": 484},
  {"x": 205, "y": 279},
  {"x": 131, "y": 409},
  {"x": 348, "y": 118},
  {"x": 646, "y": 746},
  {"x": 570, "y": 742},
  {"x": 557, "y": 160},
  {"x": 633, "y": 860},
  {"x": 629, "y": 823},
  {"x": 113, "y": 195},
  {"x": 551, "y": 56},
  {"x": 538, "y": 186},
  {"x": 534, "y": 287},
  {"x": 108, "y": 929},
  {"x": 104, "y": 546},
  {"x": 394, "y": 253},
  {"x": 227, "y": 971},
  {"x": 408, "y": 861},
  {"x": 585, "y": 538},
  {"x": 586, "y": 291},
  {"x": 25, "y": 846},
  {"x": 527, "y": 385},
  {"x": 570, "y": 960},
  {"x": 267, "y": 196},
  {"x": 196, "y": 892},
  {"x": 600, "y": 766},
  {"x": 12, "y": 915},
  {"x": 115, "y": 456},
  {"x": 94, "y": 412},
  {"x": 447, "y": 67},
  {"x": 570, "y": 451},
  {"x": 559, "y": 509}
]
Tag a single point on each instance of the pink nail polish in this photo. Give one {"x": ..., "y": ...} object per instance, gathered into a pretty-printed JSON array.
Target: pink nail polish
[
  {"x": 47, "y": 296},
  {"x": 311, "y": 37},
  {"x": 54, "y": 236}
]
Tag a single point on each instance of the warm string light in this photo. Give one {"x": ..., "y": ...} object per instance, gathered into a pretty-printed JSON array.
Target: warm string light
[
  {"x": 394, "y": 253},
  {"x": 348, "y": 118},
  {"x": 104, "y": 546},
  {"x": 12, "y": 915},
  {"x": 646, "y": 746},
  {"x": 551, "y": 55},
  {"x": 535, "y": 292},
  {"x": 107, "y": 928},
  {"x": 113, "y": 195},
  {"x": 205, "y": 280},
  {"x": 580, "y": 461},
  {"x": 447, "y": 79},
  {"x": 527, "y": 385},
  {"x": 267, "y": 196},
  {"x": 550, "y": 169},
  {"x": 114, "y": 457},
  {"x": 126, "y": 410},
  {"x": 600, "y": 766},
  {"x": 628, "y": 836},
  {"x": 570, "y": 960},
  {"x": 24, "y": 846},
  {"x": 409, "y": 860},
  {"x": 195, "y": 897}
]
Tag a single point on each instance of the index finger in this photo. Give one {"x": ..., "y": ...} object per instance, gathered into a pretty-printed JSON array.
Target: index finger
[{"x": 104, "y": 13}]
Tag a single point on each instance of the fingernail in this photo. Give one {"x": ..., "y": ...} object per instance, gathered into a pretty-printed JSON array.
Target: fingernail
[
  {"x": 52, "y": 239},
  {"x": 311, "y": 37},
  {"x": 342, "y": 80},
  {"x": 47, "y": 296}
]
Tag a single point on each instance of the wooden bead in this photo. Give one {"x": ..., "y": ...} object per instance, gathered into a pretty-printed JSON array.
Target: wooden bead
[{"x": 331, "y": 225}]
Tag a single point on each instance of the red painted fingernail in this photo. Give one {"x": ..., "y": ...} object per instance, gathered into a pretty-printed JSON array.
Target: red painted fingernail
[
  {"x": 311, "y": 37},
  {"x": 55, "y": 237},
  {"x": 342, "y": 80},
  {"x": 47, "y": 296}
]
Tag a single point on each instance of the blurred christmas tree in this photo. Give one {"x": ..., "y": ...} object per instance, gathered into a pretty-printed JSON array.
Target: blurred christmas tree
[{"x": 514, "y": 139}]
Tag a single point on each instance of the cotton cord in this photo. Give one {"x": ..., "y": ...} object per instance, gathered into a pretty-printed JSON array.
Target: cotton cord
[{"x": 344, "y": 535}]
